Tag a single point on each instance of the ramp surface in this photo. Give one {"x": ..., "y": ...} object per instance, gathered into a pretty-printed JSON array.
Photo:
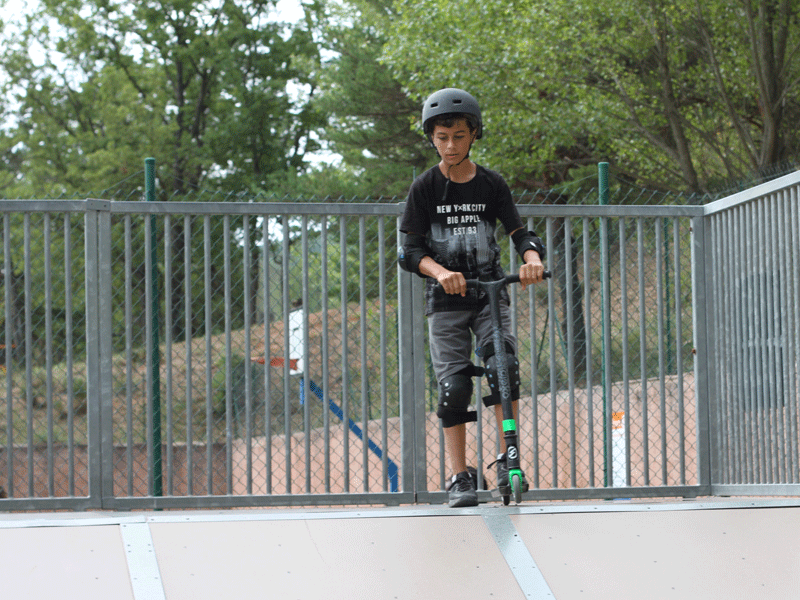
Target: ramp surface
[{"x": 705, "y": 550}]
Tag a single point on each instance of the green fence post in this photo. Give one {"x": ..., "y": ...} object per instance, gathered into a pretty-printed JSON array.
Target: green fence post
[{"x": 150, "y": 196}]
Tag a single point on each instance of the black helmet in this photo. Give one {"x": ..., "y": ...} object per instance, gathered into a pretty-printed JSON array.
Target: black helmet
[{"x": 451, "y": 100}]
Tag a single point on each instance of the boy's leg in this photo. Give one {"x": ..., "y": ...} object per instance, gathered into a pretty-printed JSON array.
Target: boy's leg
[
  {"x": 451, "y": 346},
  {"x": 455, "y": 442}
]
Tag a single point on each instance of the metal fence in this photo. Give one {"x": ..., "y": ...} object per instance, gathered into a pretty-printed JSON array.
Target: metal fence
[
  {"x": 750, "y": 250},
  {"x": 201, "y": 354}
]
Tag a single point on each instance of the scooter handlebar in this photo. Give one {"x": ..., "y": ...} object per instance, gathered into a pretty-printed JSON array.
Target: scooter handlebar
[{"x": 511, "y": 278}]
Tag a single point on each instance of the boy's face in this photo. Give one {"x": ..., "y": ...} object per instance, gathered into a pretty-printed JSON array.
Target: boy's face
[{"x": 453, "y": 143}]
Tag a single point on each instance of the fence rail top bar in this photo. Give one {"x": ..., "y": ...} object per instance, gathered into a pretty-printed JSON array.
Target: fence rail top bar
[
  {"x": 329, "y": 208},
  {"x": 395, "y": 209},
  {"x": 765, "y": 189},
  {"x": 53, "y": 206},
  {"x": 257, "y": 208}
]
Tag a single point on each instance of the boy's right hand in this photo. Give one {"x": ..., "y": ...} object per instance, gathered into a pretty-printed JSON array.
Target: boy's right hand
[{"x": 452, "y": 282}]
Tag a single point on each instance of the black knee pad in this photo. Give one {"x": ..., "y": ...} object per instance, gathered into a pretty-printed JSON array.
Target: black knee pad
[
  {"x": 512, "y": 363},
  {"x": 455, "y": 396}
]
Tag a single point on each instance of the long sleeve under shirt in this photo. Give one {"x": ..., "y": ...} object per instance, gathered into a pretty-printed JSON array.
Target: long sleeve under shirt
[{"x": 461, "y": 230}]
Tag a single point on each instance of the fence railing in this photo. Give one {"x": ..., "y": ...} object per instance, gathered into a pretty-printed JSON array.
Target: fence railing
[
  {"x": 165, "y": 354},
  {"x": 751, "y": 253}
]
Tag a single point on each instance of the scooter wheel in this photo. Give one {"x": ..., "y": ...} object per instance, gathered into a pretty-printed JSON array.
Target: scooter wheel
[{"x": 516, "y": 487}]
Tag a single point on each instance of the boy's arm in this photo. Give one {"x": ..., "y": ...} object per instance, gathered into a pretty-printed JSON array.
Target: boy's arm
[
  {"x": 452, "y": 281},
  {"x": 532, "y": 270}
]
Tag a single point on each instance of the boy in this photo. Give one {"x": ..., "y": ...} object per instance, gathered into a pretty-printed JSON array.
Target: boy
[{"x": 449, "y": 222}]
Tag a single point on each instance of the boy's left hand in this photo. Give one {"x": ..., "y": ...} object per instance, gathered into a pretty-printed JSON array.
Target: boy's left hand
[{"x": 532, "y": 271}]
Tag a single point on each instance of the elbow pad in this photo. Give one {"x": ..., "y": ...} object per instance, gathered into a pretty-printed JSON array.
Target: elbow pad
[
  {"x": 527, "y": 240},
  {"x": 412, "y": 252}
]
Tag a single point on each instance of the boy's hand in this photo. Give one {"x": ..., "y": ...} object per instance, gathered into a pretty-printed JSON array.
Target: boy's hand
[
  {"x": 532, "y": 271},
  {"x": 452, "y": 282}
]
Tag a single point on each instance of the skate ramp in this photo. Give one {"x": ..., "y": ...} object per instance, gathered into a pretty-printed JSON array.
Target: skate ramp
[{"x": 715, "y": 549}]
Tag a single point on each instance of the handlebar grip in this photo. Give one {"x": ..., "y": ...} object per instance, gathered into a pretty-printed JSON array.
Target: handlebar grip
[{"x": 514, "y": 277}]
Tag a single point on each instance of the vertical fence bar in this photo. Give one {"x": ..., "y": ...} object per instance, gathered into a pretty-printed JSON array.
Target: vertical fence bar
[
  {"x": 606, "y": 310},
  {"x": 9, "y": 353},
  {"x": 28, "y": 353},
  {"x": 207, "y": 302},
  {"x": 774, "y": 346},
  {"x": 793, "y": 326},
  {"x": 643, "y": 350},
  {"x": 534, "y": 375},
  {"x": 93, "y": 388},
  {"x": 715, "y": 239},
  {"x": 286, "y": 309},
  {"x": 69, "y": 358},
  {"x": 758, "y": 309},
  {"x": 345, "y": 352},
  {"x": 189, "y": 337},
  {"x": 749, "y": 310},
  {"x": 679, "y": 345},
  {"x": 569, "y": 313},
  {"x": 702, "y": 296},
  {"x": 248, "y": 375},
  {"x": 742, "y": 467},
  {"x": 48, "y": 325},
  {"x": 150, "y": 346},
  {"x": 362, "y": 302},
  {"x": 306, "y": 357},
  {"x": 153, "y": 331},
  {"x": 587, "y": 294},
  {"x": 128, "y": 355},
  {"x": 736, "y": 444},
  {"x": 792, "y": 321},
  {"x": 105, "y": 347},
  {"x": 324, "y": 351},
  {"x": 623, "y": 285},
  {"x": 168, "y": 329},
  {"x": 384, "y": 386},
  {"x": 660, "y": 300},
  {"x": 229, "y": 424},
  {"x": 287, "y": 403},
  {"x": 553, "y": 381},
  {"x": 266, "y": 290},
  {"x": 728, "y": 294}
]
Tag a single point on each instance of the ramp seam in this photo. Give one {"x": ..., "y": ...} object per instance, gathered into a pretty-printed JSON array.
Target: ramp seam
[
  {"x": 142, "y": 562},
  {"x": 519, "y": 559}
]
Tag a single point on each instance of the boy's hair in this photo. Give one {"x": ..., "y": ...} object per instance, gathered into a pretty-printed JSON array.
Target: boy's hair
[{"x": 448, "y": 120}]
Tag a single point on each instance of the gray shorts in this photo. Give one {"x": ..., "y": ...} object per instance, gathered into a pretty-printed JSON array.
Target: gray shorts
[{"x": 450, "y": 337}]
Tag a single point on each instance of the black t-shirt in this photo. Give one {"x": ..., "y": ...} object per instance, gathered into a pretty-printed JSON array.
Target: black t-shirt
[{"x": 460, "y": 230}]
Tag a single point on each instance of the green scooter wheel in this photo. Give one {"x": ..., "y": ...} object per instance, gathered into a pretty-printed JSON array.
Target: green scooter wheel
[{"x": 516, "y": 487}]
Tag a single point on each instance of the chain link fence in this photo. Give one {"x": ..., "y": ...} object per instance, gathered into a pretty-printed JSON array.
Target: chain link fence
[{"x": 256, "y": 345}]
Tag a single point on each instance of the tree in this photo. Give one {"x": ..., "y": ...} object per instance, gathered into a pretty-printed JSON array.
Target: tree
[
  {"x": 200, "y": 85},
  {"x": 369, "y": 110},
  {"x": 674, "y": 94}
]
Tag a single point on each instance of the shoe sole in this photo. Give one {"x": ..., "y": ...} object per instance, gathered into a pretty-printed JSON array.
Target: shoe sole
[{"x": 463, "y": 502}]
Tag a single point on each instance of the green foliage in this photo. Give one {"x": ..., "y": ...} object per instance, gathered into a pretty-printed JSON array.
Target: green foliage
[
  {"x": 94, "y": 87},
  {"x": 369, "y": 110},
  {"x": 673, "y": 95}
]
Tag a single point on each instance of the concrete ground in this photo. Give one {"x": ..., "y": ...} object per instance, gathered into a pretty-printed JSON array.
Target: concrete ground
[{"x": 705, "y": 549}]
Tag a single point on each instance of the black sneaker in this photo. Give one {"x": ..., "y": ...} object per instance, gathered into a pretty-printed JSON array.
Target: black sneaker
[
  {"x": 461, "y": 491},
  {"x": 503, "y": 483}
]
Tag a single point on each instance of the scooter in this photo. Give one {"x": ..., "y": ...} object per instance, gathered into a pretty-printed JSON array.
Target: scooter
[{"x": 516, "y": 481}]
